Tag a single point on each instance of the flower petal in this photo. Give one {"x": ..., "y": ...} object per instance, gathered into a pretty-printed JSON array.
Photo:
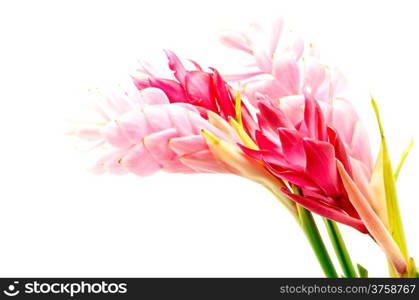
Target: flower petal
[
  {"x": 139, "y": 161},
  {"x": 321, "y": 166},
  {"x": 327, "y": 211}
]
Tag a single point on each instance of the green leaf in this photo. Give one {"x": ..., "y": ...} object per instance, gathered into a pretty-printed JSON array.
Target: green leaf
[
  {"x": 363, "y": 273},
  {"x": 402, "y": 159},
  {"x": 394, "y": 218}
]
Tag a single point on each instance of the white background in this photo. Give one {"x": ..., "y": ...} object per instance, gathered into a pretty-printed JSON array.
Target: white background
[{"x": 56, "y": 219}]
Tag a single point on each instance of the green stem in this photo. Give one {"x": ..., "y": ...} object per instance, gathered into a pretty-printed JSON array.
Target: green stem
[
  {"x": 313, "y": 235},
  {"x": 340, "y": 249}
]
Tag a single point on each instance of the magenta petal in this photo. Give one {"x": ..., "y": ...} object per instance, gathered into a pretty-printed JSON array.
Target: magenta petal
[
  {"x": 340, "y": 150},
  {"x": 292, "y": 147},
  {"x": 198, "y": 86},
  {"x": 171, "y": 88},
  {"x": 274, "y": 116},
  {"x": 314, "y": 119},
  {"x": 224, "y": 97},
  {"x": 295, "y": 177},
  {"x": 321, "y": 166},
  {"x": 195, "y": 64},
  {"x": 327, "y": 211},
  {"x": 264, "y": 142}
]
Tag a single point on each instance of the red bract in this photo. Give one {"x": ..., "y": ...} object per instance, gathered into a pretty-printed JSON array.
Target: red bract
[{"x": 305, "y": 155}]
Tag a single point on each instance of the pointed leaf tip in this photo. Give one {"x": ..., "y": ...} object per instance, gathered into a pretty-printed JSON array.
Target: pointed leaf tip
[
  {"x": 403, "y": 158},
  {"x": 377, "y": 115},
  {"x": 363, "y": 273}
]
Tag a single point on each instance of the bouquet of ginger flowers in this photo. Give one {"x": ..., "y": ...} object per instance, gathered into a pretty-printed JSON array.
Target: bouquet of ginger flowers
[{"x": 282, "y": 121}]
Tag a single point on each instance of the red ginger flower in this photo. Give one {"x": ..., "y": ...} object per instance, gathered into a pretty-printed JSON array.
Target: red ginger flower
[{"x": 305, "y": 155}]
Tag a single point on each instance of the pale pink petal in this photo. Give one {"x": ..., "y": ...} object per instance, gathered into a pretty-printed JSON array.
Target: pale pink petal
[
  {"x": 287, "y": 72},
  {"x": 268, "y": 86},
  {"x": 113, "y": 165},
  {"x": 134, "y": 126},
  {"x": 157, "y": 117},
  {"x": 176, "y": 166},
  {"x": 293, "y": 108},
  {"x": 263, "y": 60},
  {"x": 157, "y": 144},
  {"x": 90, "y": 133},
  {"x": 184, "y": 145},
  {"x": 203, "y": 161},
  {"x": 277, "y": 29},
  {"x": 360, "y": 146},
  {"x": 139, "y": 161},
  {"x": 115, "y": 136},
  {"x": 180, "y": 119},
  {"x": 343, "y": 119},
  {"x": 314, "y": 75},
  {"x": 234, "y": 40},
  {"x": 154, "y": 96},
  {"x": 176, "y": 66}
]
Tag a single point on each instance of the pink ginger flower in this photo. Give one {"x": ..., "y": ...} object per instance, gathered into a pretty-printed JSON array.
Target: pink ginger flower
[
  {"x": 146, "y": 133},
  {"x": 277, "y": 67}
]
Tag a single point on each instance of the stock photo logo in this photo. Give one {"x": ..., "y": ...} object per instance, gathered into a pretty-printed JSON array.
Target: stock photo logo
[
  {"x": 12, "y": 289},
  {"x": 53, "y": 287}
]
